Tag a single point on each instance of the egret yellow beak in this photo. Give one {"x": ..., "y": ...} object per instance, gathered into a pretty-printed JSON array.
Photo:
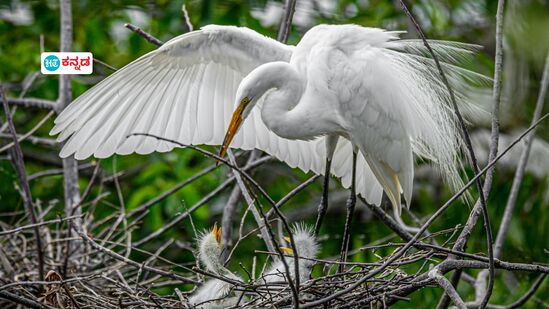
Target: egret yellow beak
[
  {"x": 217, "y": 233},
  {"x": 287, "y": 239},
  {"x": 234, "y": 125},
  {"x": 287, "y": 250}
]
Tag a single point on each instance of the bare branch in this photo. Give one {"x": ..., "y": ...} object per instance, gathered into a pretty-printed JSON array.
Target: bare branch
[
  {"x": 33, "y": 102},
  {"x": 33, "y": 139},
  {"x": 32, "y": 226},
  {"x": 21, "y": 174},
  {"x": 521, "y": 301},
  {"x": 186, "y": 17},
  {"x": 148, "y": 37},
  {"x": 70, "y": 166},
  {"x": 517, "y": 180},
  {"x": 286, "y": 24},
  {"x": 119, "y": 257},
  {"x": 447, "y": 286},
  {"x": 31, "y": 131},
  {"x": 165, "y": 194}
]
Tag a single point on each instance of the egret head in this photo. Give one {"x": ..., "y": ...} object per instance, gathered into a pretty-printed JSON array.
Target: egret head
[
  {"x": 305, "y": 243},
  {"x": 252, "y": 88},
  {"x": 209, "y": 248},
  {"x": 247, "y": 96}
]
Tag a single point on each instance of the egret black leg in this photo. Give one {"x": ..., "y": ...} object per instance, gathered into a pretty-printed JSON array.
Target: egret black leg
[
  {"x": 351, "y": 202},
  {"x": 323, "y": 207}
]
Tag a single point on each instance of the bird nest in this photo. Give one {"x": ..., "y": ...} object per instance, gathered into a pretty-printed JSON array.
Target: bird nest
[{"x": 101, "y": 268}]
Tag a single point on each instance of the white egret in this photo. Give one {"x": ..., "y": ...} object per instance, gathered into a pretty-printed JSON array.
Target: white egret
[
  {"x": 376, "y": 91},
  {"x": 214, "y": 293},
  {"x": 307, "y": 250}
]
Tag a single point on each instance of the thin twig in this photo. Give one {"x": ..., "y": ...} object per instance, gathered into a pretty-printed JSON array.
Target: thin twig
[
  {"x": 29, "y": 133},
  {"x": 286, "y": 24},
  {"x": 148, "y": 37},
  {"x": 32, "y": 226},
  {"x": 33, "y": 102},
  {"x": 522, "y": 300},
  {"x": 119, "y": 257},
  {"x": 104, "y": 64},
  {"x": 186, "y": 18},
  {"x": 517, "y": 180},
  {"x": 165, "y": 194},
  {"x": 21, "y": 174}
]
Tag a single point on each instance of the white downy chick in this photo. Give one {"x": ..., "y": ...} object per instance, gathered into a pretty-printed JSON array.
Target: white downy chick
[
  {"x": 307, "y": 249},
  {"x": 214, "y": 293}
]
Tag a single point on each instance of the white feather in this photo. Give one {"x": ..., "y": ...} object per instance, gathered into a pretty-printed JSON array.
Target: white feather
[{"x": 364, "y": 84}]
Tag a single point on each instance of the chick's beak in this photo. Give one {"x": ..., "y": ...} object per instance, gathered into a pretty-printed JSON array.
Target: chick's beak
[
  {"x": 234, "y": 125},
  {"x": 287, "y": 250},
  {"x": 217, "y": 233}
]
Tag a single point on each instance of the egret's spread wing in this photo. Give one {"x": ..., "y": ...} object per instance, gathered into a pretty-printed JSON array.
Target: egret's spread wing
[
  {"x": 392, "y": 102},
  {"x": 184, "y": 91}
]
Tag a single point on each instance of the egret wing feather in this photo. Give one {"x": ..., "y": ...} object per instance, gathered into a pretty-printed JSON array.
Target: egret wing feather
[{"x": 185, "y": 91}]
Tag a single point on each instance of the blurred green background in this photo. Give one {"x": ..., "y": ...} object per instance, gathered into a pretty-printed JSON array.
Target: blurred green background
[{"x": 98, "y": 28}]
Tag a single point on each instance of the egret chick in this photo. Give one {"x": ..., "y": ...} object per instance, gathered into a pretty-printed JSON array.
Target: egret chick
[
  {"x": 214, "y": 293},
  {"x": 307, "y": 250}
]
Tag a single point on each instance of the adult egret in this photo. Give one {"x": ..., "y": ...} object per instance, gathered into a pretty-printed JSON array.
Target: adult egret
[{"x": 378, "y": 92}]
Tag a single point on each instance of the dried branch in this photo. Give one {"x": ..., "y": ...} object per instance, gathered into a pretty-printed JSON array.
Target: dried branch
[
  {"x": 32, "y": 226},
  {"x": 70, "y": 165},
  {"x": 286, "y": 24},
  {"x": 494, "y": 141},
  {"x": 517, "y": 180},
  {"x": 29, "y": 133},
  {"x": 447, "y": 286},
  {"x": 186, "y": 17},
  {"x": 148, "y": 37},
  {"x": 23, "y": 300},
  {"x": 269, "y": 238},
  {"x": 119, "y": 257},
  {"x": 227, "y": 222},
  {"x": 33, "y": 139},
  {"x": 521, "y": 301},
  {"x": 33, "y": 103},
  {"x": 19, "y": 164}
]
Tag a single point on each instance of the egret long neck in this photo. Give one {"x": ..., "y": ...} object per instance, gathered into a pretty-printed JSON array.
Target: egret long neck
[{"x": 283, "y": 111}]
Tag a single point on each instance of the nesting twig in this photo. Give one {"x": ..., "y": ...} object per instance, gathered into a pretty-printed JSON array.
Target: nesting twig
[
  {"x": 22, "y": 175},
  {"x": 148, "y": 37}
]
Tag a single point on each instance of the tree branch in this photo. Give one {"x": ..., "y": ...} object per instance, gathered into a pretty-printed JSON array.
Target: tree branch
[
  {"x": 33, "y": 102},
  {"x": 447, "y": 286},
  {"x": 148, "y": 37},
  {"x": 70, "y": 166},
  {"x": 517, "y": 180},
  {"x": 19, "y": 164},
  {"x": 286, "y": 24}
]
